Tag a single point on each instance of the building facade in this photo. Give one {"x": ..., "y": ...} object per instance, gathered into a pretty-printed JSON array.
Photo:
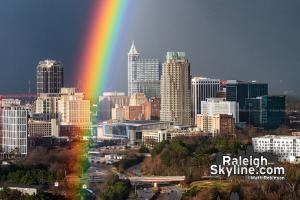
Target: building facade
[
  {"x": 143, "y": 74},
  {"x": 239, "y": 91},
  {"x": 137, "y": 99},
  {"x": 117, "y": 113},
  {"x": 287, "y": 148},
  {"x": 150, "y": 137},
  {"x": 43, "y": 128},
  {"x": 151, "y": 109},
  {"x": 267, "y": 112},
  {"x": 14, "y": 130},
  {"x": 217, "y": 124},
  {"x": 47, "y": 105},
  {"x": 129, "y": 130},
  {"x": 176, "y": 89},
  {"x": 73, "y": 109},
  {"x": 49, "y": 76},
  {"x": 133, "y": 113},
  {"x": 203, "y": 88},
  {"x": 108, "y": 101},
  {"x": 214, "y": 106}
]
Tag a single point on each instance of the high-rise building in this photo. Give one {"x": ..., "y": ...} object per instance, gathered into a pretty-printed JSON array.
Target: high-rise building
[
  {"x": 143, "y": 74},
  {"x": 203, "y": 88},
  {"x": 108, "y": 101},
  {"x": 214, "y": 106},
  {"x": 74, "y": 114},
  {"x": 73, "y": 109},
  {"x": 49, "y": 76},
  {"x": 14, "y": 130},
  {"x": 46, "y": 106},
  {"x": 176, "y": 89},
  {"x": 239, "y": 91},
  {"x": 266, "y": 111}
]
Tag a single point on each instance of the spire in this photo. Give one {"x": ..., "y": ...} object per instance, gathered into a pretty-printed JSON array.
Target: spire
[{"x": 133, "y": 49}]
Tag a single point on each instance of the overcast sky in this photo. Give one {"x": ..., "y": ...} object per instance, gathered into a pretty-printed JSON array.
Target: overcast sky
[{"x": 226, "y": 39}]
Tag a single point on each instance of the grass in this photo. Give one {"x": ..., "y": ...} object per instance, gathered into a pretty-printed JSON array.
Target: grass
[{"x": 222, "y": 185}]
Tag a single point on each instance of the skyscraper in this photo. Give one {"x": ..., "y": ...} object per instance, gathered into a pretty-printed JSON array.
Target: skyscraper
[
  {"x": 266, "y": 111},
  {"x": 203, "y": 88},
  {"x": 175, "y": 89},
  {"x": 14, "y": 130},
  {"x": 239, "y": 91},
  {"x": 49, "y": 76},
  {"x": 143, "y": 74}
]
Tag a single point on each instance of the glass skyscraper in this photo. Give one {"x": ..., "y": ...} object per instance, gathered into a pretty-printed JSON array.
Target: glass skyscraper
[
  {"x": 49, "y": 76},
  {"x": 266, "y": 111},
  {"x": 240, "y": 91},
  {"x": 143, "y": 74}
]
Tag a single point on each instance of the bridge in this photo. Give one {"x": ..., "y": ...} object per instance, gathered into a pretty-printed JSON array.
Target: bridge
[{"x": 156, "y": 179}]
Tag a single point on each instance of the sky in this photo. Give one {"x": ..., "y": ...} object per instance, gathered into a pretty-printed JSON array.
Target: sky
[{"x": 226, "y": 39}]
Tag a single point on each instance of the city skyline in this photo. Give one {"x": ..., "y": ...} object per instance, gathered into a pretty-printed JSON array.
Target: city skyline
[{"x": 233, "y": 40}]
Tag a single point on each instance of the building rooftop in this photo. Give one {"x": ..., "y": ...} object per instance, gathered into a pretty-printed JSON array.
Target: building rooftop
[
  {"x": 136, "y": 122},
  {"x": 133, "y": 49},
  {"x": 279, "y": 137}
]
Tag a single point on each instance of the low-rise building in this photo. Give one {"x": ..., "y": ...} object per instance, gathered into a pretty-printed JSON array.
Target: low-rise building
[
  {"x": 287, "y": 148},
  {"x": 151, "y": 109},
  {"x": 43, "y": 128},
  {"x": 152, "y": 137},
  {"x": 129, "y": 130},
  {"x": 218, "y": 124}
]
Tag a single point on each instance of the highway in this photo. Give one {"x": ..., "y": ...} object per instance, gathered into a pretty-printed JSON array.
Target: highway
[{"x": 170, "y": 193}]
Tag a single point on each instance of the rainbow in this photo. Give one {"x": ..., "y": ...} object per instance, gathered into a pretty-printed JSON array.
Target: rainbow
[
  {"x": 100, "y": 45},
  {"x": 103, "y": 33}
]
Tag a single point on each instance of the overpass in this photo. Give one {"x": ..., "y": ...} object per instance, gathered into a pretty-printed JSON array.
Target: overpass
[{"x": 156, "y": 179}]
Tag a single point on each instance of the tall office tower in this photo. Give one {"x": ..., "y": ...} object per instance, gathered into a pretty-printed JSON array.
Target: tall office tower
[
  {"x": 203, "y": 88},
  {"x": 49, "y": 76},
  {"x": 266, "y": 111},
  {"x": 108, "y": 101},
  {"x": 239, "y": 91},
  {"x": 46, "y": 106},
  {"x": 143, "y": 74},
  {"x": 176, "y": 89},
  {"x": 14, "y": 130},
  {"x": 73, "y": 109},
  {"x": 214, "y": 106}
]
